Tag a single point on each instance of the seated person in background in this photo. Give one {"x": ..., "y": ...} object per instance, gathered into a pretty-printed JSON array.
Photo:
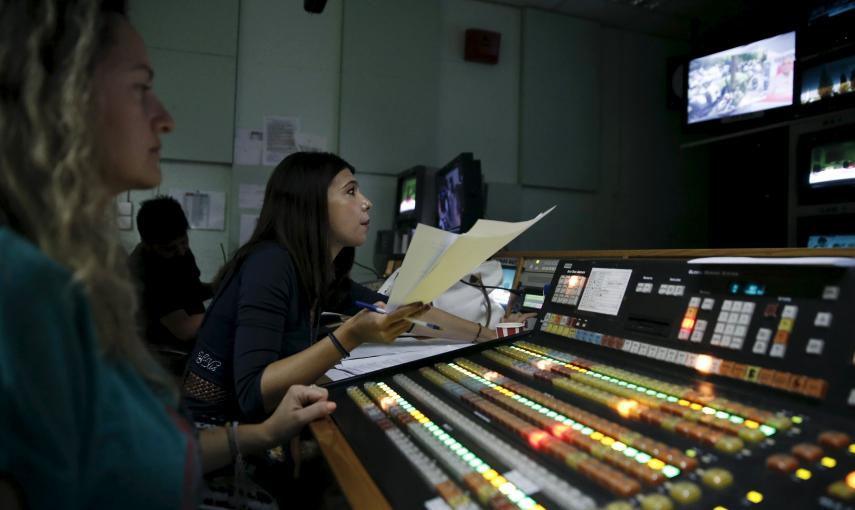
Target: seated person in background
[
  {"x": 262, "y": 332},
  {"x": 172, "y": 295}
]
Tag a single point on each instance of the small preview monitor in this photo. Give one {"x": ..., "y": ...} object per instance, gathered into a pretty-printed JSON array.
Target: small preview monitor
[
  {"x": 832, "y": 164},
  {"x": 745, "y": 79},
  {"x": 828, "y": 81},
  {"x": 407, "y": 197},
  {"x": 459, "y": 194},
  {"x": 501, "y": 295},
  {"x": 825, "y": 166}
]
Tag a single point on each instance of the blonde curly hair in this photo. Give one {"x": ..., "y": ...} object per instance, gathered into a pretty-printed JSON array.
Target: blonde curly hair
[{"x": 53, "y": 190}]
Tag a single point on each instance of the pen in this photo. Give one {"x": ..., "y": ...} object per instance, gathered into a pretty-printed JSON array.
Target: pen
[{"x": 417, "y": 322}]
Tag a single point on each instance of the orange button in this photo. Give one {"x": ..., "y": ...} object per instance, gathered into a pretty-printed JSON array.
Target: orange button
[
  {"x": 808, "y": 452},
  {"x": 782, "y": 463},
  {"x": 850, "y": 480},
  {"x": 834, "y": 439}
]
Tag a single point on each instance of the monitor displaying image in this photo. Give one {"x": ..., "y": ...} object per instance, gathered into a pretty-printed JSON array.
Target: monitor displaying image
[
  {"x": 408, "y": 195},
  {"x": 449, "y": 200},
  {"x": 829, "y": 80},
  {"x": 750, "y": 78},
  {"x": 832, "y": 163},
  {"x": 501, "y": 295},
  {"x": 831, "y": 241}
]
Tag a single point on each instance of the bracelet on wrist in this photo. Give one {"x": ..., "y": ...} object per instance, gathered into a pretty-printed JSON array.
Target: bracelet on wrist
[
  {"x": 478, "y": 334},
  {"x": 337, "y": 344}
]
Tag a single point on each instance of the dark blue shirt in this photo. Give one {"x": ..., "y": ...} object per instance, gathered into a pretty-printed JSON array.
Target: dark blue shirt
[{"x": 259, "y": 315}]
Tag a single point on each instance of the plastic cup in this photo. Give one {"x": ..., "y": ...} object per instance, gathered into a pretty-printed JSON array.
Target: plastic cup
[{"x": 504, "y": 329}]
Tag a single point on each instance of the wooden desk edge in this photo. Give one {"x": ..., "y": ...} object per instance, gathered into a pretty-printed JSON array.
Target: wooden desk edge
[{"x": 355, "y": 482}]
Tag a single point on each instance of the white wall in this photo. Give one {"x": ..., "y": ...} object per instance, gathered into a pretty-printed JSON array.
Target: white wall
[{"x": 385, "y": 82}]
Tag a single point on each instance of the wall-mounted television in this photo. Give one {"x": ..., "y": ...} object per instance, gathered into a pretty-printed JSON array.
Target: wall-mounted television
[
  {"x": 459, "y": 194},
  {"x": 741, "y": 82},
  {"x": 833, "y": 80}
]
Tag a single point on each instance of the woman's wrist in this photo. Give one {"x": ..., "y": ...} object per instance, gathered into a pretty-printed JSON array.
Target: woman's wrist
[
  {"x": 255, "y": 437},
  {"x": 345, "y": 337}
]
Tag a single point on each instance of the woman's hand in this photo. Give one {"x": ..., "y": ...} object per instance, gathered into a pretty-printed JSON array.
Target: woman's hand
[
  {"x": 301, "y": 405},
  {"x": 369, "y": 326},
  {"x": 517, "y": 317}
]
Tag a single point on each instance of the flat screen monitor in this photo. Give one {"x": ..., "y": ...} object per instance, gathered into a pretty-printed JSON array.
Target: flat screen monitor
[
  {"x": 828, "y": 81},
  {"x": 826, "y": 231},
  {"x": 407, "y": 196},
  {"x": 501, "y": 295},
  {"x": 742, "y": 80},
  {"x": 826, "y": 166},
  {"x": 459, "y": 194},
  {"x": 414, "y": 197},
  {"x": 831, "y": 241}
]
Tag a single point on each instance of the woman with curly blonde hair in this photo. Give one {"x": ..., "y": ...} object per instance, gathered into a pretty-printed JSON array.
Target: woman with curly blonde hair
[{"x": 88, "y": 418}]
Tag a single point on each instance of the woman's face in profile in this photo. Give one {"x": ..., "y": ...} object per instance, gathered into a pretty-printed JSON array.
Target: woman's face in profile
[{"x": 129, "y": 118}]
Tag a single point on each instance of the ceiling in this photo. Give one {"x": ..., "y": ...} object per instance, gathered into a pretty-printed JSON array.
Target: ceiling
[{"x": 665, "y": 18}]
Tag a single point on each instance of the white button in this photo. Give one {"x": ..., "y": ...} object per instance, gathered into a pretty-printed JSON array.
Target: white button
[
  {"x": 778, "y": 350},
  {"x": 725, "y": 340},
  {"x": 697, "y": 336},
  {"x": 748, "y": 307},
  {"x": 851, "y": 400},
  {"x": 729, "y": 329},
  {"x": 789, "y": 312},
  {"x": 744, "y": 319},
  {"x": 681, "y": 357},
  {"x": 815, "y": 346},
  {"x": 737, "y": 342},
  {"x": 737, "y": 306},
  {"x": 760, "y": 346},
  {"x": 723, "y": 316},
  {"x": 764, "y": 334},
  {"x": 719, "y": 327},
  {"x": 642, "y": 349},
  {"x": 683, "y": 334},
  {"x": 701, "y": 325},
  {"x": 708, "y": 304},
  {"x": 679, "y": 290},
  {"x": 639, "y": 287},
  {"x": 716, "y": 339},
  {"x": 695, "y": 302},
  {"x": 662, "y": 290},
  {"x": 727, "y": 305},
  {"x": 671, "y": 355},
  {"x": 822, "y": 320},
  {"x": 831, "y": 292},
  {"x": 649, "y": 288},
  {"x": 740, "y": 331}
]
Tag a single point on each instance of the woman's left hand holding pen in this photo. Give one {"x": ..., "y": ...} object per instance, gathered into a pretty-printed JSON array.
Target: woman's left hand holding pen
[{"x": 368, "y": 326}]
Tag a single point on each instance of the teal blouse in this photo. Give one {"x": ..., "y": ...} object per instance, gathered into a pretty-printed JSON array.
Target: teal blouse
[{"x": 78, "y": 430}]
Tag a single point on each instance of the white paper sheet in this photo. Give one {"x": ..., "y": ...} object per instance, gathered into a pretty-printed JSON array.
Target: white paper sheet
[
  {"x": 372, "y": 357},
  {"x": 205, "y": 210},
  {"x": 250, "y": 196},
  {"x": 248, "y": 146},
  {"x": 436, "y": 259},
  {"x": 279, "y": 138},
  {"x": 310, "y": 142}
]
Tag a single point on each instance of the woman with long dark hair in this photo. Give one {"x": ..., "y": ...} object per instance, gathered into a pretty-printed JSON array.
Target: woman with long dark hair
[
  {"x": 262, "y": 332},
  {"x": 87, "y": 417}
]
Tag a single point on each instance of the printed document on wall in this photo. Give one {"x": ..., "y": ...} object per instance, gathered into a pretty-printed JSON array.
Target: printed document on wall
[
  {"x": 280, "y": 138},
  {"x": 205, "y": 210}
]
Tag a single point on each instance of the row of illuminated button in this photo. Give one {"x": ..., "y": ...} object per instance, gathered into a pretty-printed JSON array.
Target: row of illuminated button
[{"x": 795, "y": 383}]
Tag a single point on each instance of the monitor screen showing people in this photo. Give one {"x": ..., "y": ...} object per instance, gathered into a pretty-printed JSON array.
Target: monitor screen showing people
[
  {"x": 449, "y": 204},
  {"x": 408, "y": 195}
]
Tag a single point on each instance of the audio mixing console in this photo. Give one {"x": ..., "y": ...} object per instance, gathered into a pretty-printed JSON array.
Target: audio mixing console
[{"x": 652, "y": 384}]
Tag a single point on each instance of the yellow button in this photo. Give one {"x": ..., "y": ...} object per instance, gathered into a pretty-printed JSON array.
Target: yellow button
[
  {"x": 729, "y": 444},
  {"x": 685, "y": 493},
  {"x": 717, "y": 478},
  {"x": 618, "y": 505},
  {"x": 752, "y": 435},
  {"x": 754, "y": 497},
  {"x": 850, "y": 480},
  {"x": 803, "y": 474},
  {"x": 779, "y": 422},
  {"x": 656, "y": 502},
  {"x": 842, "y": 491},
  {"x": 828, "y": 462}
]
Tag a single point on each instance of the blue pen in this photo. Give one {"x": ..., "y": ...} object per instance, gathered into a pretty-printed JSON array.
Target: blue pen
[{"x": 417, "y": 322}]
